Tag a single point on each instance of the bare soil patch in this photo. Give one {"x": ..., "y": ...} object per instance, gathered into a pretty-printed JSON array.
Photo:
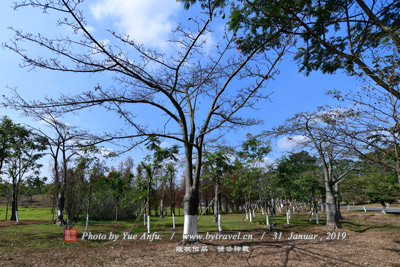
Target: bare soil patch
[{"x": 25, "y": 222}]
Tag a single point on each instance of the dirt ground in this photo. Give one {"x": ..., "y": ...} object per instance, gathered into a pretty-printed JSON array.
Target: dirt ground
[{"x": 368, "y": 246}]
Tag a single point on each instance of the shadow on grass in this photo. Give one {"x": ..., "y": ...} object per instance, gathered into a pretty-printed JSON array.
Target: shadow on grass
[{"x": 291, "y": 251}]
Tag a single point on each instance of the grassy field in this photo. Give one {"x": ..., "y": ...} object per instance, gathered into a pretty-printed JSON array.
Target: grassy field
[
  {"x": 37, "y": 229},
  {"x": 372, "y": 239}
]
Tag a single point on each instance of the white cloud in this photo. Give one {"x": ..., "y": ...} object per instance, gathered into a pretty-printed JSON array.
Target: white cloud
[
  {"x": 90, "y": 29},
  {"x": 268, "y": 161},
  {"x": 146, "y": 21},
  {"x": 106, "y": 152},
  {"x": 165, "y": 144},
  {"x": 291, "y": 142},
  {"x": 51, "y": 120},
  {"x": 209, "y": 42}
]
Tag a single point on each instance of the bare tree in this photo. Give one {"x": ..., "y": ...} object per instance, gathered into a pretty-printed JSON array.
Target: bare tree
[
  {"x": 198, "y": 92},
  {"x": 373, "y": 130},
  {"x": 319, "y": 131},
  {"x": 63, "y": 143}
]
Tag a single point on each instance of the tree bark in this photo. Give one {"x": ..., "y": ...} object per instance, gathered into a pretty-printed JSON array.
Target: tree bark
[
  {"x": 332, "y": 220},
  {"x": 191, "y": 203},
  {"x": 191, "y": 198},
  {"x": 88, "y": 208},
  {"x": 14, "y": 201},
  {"x": 60, "y": 208},
  {"x": 116, "y": 209},
  {"x": 216, "y": 203},
  {"x": 161, "y": 208}
]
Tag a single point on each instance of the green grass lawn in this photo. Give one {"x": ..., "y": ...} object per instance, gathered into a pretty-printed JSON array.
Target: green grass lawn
[{"x": 28, "y": 213}]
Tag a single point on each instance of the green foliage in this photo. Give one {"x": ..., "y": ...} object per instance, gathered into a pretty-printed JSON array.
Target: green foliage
[
  {"x": 298, "y": 176},
  {"x": 254, "y": 148},
  {"x": 218, "y": 162},
  {"x": 354, "y": 36},
  {"x": 20, "y": 149},
  {"x": 372, "y": 183}
]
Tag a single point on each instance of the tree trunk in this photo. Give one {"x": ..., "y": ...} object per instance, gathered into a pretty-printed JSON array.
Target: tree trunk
[
  {"x": 191, "y": 198},
  {"x": 273, "y": 204},
  {"x": 173, "y": 220},
  {"x": 88, "y": 208},
  {"x": 14, "y": 202},
  {"x": 216, "y": 203},
  {"x": 316, "y": 211},
  {"x": 332, "y": 220},
  {"x": 60, "y": 208},
  {"x": 148, "y": 210},
  {"x": 116, "y": 209},
  {"x": 191, "y": 203},
  {"x": 207, "y": 205},
  {"x": 338, "y": 213},
  {"x": 172, "y": 208},
  {"x": 161, "y": 208}
]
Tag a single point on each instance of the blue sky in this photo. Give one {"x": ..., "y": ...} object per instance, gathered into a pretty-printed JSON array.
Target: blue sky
[{"x": 151, "y": 23}]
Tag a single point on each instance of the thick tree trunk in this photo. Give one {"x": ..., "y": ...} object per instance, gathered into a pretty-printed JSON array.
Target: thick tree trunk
[
  {"x": 338, "y": 213},
  {"x": 191, "y": 198},
  {"x": 332, "y": 220},
  {"x": 191, "y": 204}
]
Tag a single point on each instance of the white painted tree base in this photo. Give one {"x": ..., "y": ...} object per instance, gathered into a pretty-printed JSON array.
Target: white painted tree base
[
  {"x": 219, "y": 223},
  {"x": 288, "y": 217},
  {"x": 16, "y": 216},
  {"x": 173, "y": 221},
  {"x": 148, "y": 224},
  {"x": 87, "y": 222},
  {"x": 190, "y": 228}
]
